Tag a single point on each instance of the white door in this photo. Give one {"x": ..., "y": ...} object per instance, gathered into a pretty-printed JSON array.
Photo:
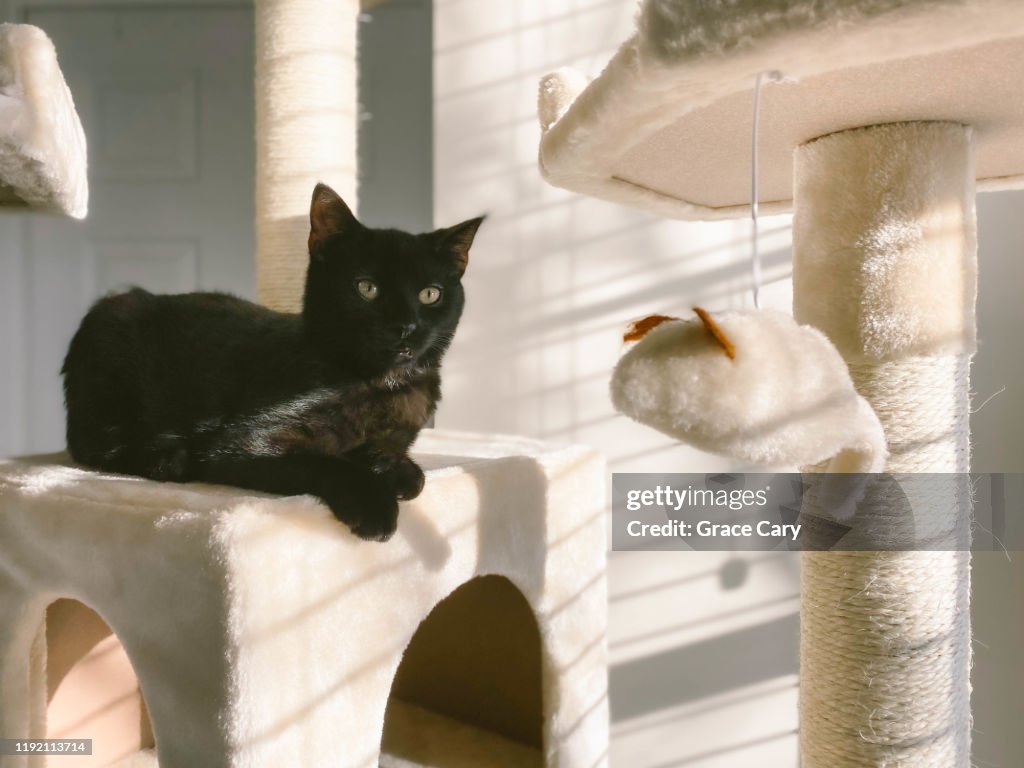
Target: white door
[{"x": 166, "y": 98}]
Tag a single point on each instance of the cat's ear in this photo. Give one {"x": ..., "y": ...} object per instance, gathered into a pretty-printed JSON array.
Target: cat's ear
[
  {"x": 456, "y": 241},
  {"x": 328, "y": 215}
]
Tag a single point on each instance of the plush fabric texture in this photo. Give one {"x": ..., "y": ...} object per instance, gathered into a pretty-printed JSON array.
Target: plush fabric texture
[
  {"x": 885, "y": 240},
  {"x": 666, "y": 126},
  {"x": 425, "y": 739},
  {"x": 42, "y": 144},
  {"x": 265, "y": 634},
  {"x": 144, "y": 759},
  {"x": 786, "y": 398},
  {"x": 556, "y": 94}
]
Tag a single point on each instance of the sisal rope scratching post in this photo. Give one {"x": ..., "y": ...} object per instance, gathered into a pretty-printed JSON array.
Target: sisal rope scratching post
[
  {"x": 885, "y": 265},
  {"x": 306, "y": 108}
]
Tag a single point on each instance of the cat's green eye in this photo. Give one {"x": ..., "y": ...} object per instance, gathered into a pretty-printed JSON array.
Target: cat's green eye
[
  {"x": 430, "y": 295},
  {"x": 367, "y": 289}
]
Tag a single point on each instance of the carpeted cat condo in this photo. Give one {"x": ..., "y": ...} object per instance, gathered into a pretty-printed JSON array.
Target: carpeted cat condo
[
  {"x": 887, "y": 117},
  {"x": 264, "y": 634}
]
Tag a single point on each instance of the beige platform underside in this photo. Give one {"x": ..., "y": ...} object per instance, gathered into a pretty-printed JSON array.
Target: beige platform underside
[{"x": 667, "y": 125}]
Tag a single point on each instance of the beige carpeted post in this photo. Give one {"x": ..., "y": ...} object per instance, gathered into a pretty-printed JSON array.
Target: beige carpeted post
[
  {"x": 306, "y": 111},
  {"x": 885, "y": 264}
]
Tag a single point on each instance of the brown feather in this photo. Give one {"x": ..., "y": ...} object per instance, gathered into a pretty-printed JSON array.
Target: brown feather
[
  {"x": 716, "y": 332},
  {"x": 640, "y": 328}
]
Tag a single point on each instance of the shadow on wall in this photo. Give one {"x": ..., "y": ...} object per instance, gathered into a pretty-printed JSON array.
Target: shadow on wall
[{"x": 680, "y": 675}]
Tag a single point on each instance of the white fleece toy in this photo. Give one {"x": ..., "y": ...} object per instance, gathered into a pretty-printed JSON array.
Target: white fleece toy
[
  {"x": 42, "y": 144},
  {"x": 755, "y": 386}
]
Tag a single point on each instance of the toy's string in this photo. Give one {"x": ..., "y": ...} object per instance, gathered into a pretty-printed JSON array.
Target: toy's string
[{"x": 755, "y": 257}]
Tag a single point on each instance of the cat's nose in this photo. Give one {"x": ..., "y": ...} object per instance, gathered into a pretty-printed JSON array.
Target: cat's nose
[{"x": 407, "y": 330}]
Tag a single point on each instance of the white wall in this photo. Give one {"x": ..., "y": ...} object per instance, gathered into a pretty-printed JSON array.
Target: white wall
[
  {"x": 704, "y": 646},
  {"x": 998, "y": 446},
  {"x": 998, "y": 370}
]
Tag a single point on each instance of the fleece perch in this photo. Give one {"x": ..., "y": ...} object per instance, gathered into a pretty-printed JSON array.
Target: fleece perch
[
  {"x": 887, "y": 119},
  {"x": 42, "y": 145},
  {"x": 666, "y": 126},
  {"x": 264, "y": 633}
]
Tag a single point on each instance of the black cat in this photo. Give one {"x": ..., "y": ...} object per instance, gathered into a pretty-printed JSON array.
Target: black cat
[{"x": 209, "y": 387}]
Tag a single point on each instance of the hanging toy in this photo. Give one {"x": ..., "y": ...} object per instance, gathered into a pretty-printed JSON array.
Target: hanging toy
[{"x": 754, "y": 386}]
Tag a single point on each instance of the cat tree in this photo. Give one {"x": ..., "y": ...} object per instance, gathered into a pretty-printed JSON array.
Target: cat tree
[
  {"x": 887, "y": 116},
  {"x": 262, "y": 632}
]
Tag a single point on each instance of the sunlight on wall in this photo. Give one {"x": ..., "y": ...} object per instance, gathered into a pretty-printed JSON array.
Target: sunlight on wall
[{"x": 704, "y": 645}]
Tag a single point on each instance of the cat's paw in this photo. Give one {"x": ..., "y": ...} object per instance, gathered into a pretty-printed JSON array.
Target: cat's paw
[
  {"x": 401, "y": 474},
  {"x": 371, "y": 511},
  {"x": 377, "y": 528},
  {"x": 163, "y": 456},
  {"x": 407, "y": 478}
]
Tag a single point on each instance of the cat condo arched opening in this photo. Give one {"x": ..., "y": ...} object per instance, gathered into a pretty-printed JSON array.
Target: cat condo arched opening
[
  {"x": 92, "y": 690},
  {"x": 472, "y": 672}
]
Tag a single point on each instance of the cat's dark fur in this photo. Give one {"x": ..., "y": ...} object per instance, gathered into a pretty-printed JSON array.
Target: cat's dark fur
[{"x": 209, "y": 387}]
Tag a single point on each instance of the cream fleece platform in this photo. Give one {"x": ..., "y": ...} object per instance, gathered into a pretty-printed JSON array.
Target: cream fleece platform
[
  {"x": 42, "y": 144},
  {"x": 265, "y": 635},
  {"x": 666, "y": 126}
]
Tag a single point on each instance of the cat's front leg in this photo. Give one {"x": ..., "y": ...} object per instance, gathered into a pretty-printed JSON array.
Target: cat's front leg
[{"x": 356, "y": 495}]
